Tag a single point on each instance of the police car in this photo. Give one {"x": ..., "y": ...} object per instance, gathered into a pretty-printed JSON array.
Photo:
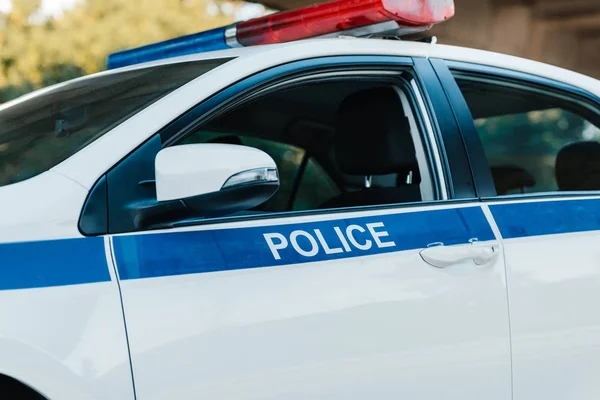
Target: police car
[{"x": 304, "y": 206}]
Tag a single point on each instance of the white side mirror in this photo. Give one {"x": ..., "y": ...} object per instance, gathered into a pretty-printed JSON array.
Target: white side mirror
[{"x": 215, "y": 179}]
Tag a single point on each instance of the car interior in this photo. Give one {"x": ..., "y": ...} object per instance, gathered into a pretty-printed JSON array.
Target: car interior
[
  {"x": 347, "y": 143},
  {"x": 575, "y": 160}
]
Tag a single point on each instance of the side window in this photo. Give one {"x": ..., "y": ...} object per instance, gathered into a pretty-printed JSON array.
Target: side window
[
  {"x": 535, "y": 142},
  {"x": 348, "y": 143},
  {"x": 337, "y": 143}
]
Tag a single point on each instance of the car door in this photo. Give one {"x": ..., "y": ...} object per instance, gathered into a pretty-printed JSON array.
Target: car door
[
  {"x": 295, "y": 301},
  {"x": 541, "y": 140}
]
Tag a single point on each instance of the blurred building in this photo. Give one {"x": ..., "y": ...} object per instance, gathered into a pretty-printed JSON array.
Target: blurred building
[{"x": 560, "y": 32}]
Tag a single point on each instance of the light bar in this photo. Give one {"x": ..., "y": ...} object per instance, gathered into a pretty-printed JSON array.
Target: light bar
[
  {"x": 181, "y": 46},
  {"x": 324, "y": 19},
  {"x": 341, "y": 15}
]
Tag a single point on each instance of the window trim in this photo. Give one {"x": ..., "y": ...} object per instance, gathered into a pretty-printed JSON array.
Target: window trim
[
  {"x": 453, "y": 151},
  {"x": 537, "y": 84},
  {"x": 228, "y": 97},
  {"x": 438, "y": 175}
]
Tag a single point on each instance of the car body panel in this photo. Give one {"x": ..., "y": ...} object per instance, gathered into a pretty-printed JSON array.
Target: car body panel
[
  {"x": 553, "y": 275},
  {"x": 234, "y": 322},
  {"x": 62, "y": 330},
  {"x": 44, "y": 207}
]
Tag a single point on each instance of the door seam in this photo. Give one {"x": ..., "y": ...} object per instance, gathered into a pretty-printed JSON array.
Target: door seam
[
  {"x": 498, "y": 234},
  {"x": 109, "y": 243}
]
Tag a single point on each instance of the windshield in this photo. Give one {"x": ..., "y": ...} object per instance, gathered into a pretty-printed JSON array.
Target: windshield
[{"x": 38, "y": 133}]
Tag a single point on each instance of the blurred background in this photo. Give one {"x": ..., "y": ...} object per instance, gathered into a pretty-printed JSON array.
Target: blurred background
[{"x": 47, "y": 41}]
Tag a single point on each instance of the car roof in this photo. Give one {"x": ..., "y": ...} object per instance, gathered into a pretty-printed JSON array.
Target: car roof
[
  {"x": 362, "y": 46},
  {"x": 407, "y": 48}
]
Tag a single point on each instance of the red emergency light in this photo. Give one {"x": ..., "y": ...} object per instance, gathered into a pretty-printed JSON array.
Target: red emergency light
[
  {"x": 349, "y": 17},
  {"x": 341, "y": 15}
]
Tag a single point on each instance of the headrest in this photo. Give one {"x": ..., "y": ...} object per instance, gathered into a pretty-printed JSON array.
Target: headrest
[
  {"x": 509, "y": 177},
  {"x": 578, "y": 167},
  {"x": 372, "y": 135}
]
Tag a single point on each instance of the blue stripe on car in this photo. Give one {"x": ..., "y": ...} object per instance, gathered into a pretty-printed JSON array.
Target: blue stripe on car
[
  {"x": 518, "y": 220},
  {"x": 178, "y": 253},
  {"x": 52, "y": 263},
  {"x": 81, "y": 261}
]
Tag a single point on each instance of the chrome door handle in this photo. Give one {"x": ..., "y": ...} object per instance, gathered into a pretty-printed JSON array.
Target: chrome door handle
[{"x": 446, "y": 256}]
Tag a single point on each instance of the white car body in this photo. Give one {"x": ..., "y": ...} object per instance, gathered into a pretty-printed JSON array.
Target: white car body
[{"x": 524, "y": 327}]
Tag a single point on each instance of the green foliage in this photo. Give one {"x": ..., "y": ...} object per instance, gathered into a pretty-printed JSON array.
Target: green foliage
[{"x": 35, "y": 53}]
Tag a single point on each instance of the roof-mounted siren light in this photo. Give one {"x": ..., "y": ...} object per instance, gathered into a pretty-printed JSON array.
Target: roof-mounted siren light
[
  {"x": 334, "y": 18},
  {"x": 347, "y": 17}
]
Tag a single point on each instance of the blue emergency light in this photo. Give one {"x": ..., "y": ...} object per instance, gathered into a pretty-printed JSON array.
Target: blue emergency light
[{"x": 191, "y": 44}]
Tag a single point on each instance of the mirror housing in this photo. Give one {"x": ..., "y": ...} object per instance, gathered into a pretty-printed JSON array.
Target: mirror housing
[{"x": 214, "y": 180}]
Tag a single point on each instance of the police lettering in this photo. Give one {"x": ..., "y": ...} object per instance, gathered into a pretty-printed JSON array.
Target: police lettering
[{"x": 311, "y": 243}]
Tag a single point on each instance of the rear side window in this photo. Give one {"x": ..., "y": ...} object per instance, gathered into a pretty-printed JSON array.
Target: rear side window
[
  {"x": 38, "y": 133},
  {"x": 535, "y": 142}
]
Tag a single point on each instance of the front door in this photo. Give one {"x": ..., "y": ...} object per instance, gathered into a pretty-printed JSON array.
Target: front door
[{"x": 323, "y": 292}]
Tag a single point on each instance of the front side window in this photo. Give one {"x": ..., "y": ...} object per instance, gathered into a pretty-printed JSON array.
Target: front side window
[
  {"x": 38, "y": 133},
  {"x": 336, "y": 145},
  {"x": 535, "y": 142}
]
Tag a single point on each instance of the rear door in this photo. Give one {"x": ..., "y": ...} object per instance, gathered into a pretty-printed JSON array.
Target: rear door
[
  {"x": 294, "y": 301},
  {"x": 541, "y": 140}
]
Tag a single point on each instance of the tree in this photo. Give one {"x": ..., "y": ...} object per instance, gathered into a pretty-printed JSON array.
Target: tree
[{"x": 35, "y": 53}]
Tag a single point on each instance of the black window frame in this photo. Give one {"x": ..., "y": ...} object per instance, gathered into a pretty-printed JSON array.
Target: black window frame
[
  {"x": 484, "y": 182},
  {"x": 459, "y": 181}
]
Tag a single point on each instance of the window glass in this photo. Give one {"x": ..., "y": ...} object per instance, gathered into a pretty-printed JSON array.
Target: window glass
[
  {"x": 534, "y": 142},
  {"x": 349, "y": 143},
  {"x": 44, "y": 130},
  {"x": 316, "y": 187}
]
